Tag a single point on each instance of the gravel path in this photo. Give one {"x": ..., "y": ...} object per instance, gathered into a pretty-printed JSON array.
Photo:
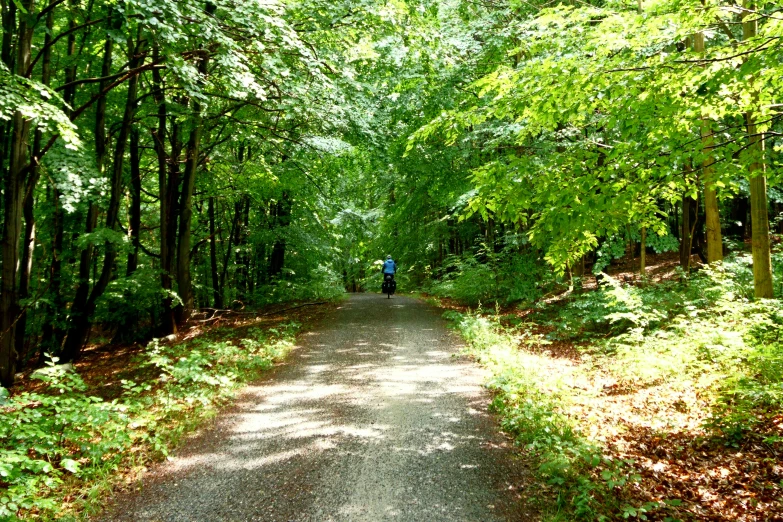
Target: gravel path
[{"x": 372, "y": 418}]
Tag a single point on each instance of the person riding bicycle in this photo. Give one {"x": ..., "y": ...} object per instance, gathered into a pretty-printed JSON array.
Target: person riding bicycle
[{"x": 389, "y": 269}]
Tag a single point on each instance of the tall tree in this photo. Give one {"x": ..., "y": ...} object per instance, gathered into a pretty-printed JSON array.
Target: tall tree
[
  {"x": 762, "y": 264},
  {"x": 14, "y": 197}
]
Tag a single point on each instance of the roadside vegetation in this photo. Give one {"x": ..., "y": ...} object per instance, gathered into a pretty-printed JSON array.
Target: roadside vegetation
[
  {"x": 655, "y": 402},
  {"x": 77, "y": 433}
]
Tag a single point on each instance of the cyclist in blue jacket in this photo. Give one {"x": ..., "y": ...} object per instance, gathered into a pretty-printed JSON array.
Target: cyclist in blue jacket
[
  {"x": 389, "y": 266},
  {"x": 389, "y": 269}
]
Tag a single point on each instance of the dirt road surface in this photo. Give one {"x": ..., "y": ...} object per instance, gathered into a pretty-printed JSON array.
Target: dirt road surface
[{"x": 374, "y": 417}]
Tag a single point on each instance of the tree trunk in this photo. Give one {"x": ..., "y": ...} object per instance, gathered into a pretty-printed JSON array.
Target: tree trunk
[
  {"x": 26, "y": 266},
  {"x": 184, "y": 280},
  {"x": 9, "y": 26},
  {"x": 6, "y": 55},
  {"x": 759, "y": 220},
  {"x": 711, "y": 209},
  {"x": 168, "y": 180},
  {"x": 246, "y": 252},
  {"x": 217, "y": 294},
  {"x": 134, "y": 224},
  {"x": 643, "y": 255},
  {"x": 28, "y": 244},
  {"x": 282, "y": 219},
  {"x": 79, "y": 324},
  {"x": 686, "y": 239},
  {"x": 12, "y": 213},
  {"x": 79, "y": 330},
  {"x": 242, "y": 273},
  {"x": 229, "y": 248},
  {"x": 53, "y": 333},
  {"x": 184, "y": 283},
  {"x": 69, "y": 93}
]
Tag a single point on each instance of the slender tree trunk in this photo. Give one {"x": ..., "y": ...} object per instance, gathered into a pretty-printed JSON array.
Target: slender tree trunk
[
  {"x": 26, "y": 268},
  {"x": 643, "y": 255},
  {"x": 762, "y": 264},
  {"x": 53, "y": 331},
  {"x": 28, "y": 244},
  {"x": 686, "y": 239},
  {"x": 676, "y": 212},
  {"x": 134, "y": 225},
  {"x": 77, "y": 335},
  {"x": 79, "y": 324},
  {"x": 69, "y": 93},
  {"x": 168, "y": 180},
  {"x": 52, "y": 334},
  {"x": 229, "y": 249},
  {"x": 9, "y": 26},
  {"x": 711, "y": 209},
  {"x": 12, "y": 212},
  {"x": 6, "y": 55},
  {"x": 242, "y": 273},
  {"x": 282, "y": 219},
  {"x": 578, "y": 272},
  {"x": 184, "y": 280},
  {"x": 238, "y": 241},
  {"x": 759, "y": 221},
  {"x": 217, "y": 294},
  {"x": 712, "y": 216},
  {"x": 246, "y": 251}
]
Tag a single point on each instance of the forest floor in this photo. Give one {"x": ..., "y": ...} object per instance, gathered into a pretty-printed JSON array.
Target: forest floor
[
  {"x": 674, "y": 442},
  {"x": 372, "y": 417}
]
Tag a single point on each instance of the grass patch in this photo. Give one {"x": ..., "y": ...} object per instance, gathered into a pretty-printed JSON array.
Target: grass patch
[{"x": 62, "y": 445}]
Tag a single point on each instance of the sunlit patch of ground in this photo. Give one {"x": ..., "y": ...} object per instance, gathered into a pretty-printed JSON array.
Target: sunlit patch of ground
[{"x": 659, "y": 424}]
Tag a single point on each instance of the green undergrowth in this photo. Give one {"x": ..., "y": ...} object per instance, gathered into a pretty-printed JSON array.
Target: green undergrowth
[
  {"x": 531, "y": 399},
  {"x": 703, "y": 341},
  {"x": 62, "y": 448},
  {"x": 487, "y": 277}
]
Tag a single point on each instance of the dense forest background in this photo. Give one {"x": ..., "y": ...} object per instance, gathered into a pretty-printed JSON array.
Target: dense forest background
[{"x": 162, "y": 159}]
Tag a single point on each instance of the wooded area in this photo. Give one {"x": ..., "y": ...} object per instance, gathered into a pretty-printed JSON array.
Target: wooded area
[
  {"x": 196, "y": 145},
  {"x": 160, "y": 159}
]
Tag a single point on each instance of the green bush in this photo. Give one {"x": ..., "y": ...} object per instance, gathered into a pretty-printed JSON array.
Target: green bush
[
  {"x": 614, "y": 247},
  {"x": 132, "y": 302},
  {"x": 506, "y": 278},
  {"x": 321, "y": 284},
  {"x": 753, "y": 393},
  {"x": 45, "y": 437}
]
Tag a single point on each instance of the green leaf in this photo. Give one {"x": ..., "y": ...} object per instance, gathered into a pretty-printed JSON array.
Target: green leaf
[
  {"x": 70, "y": 465},
  {"x": 20, "y": 6}
]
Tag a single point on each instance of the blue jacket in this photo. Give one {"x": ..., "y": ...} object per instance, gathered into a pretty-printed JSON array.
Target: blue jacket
[{"x": 389, "y": 266}]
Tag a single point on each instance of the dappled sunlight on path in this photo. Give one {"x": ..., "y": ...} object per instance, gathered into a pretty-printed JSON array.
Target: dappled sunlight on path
[{"x": 372, "y": 418}]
